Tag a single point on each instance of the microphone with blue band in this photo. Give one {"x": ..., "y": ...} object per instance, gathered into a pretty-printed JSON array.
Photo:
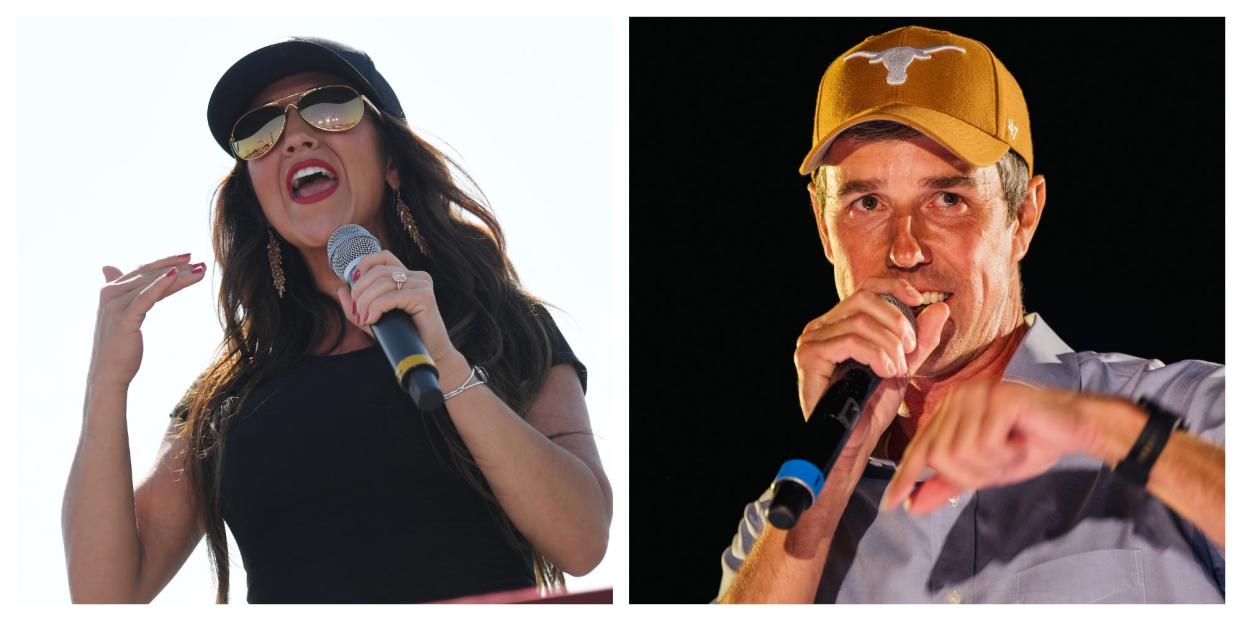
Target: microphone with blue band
[{"x": 820, "y": 441}]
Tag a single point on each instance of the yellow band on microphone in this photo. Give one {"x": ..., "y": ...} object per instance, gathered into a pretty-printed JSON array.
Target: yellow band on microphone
[{"x": 411, "y": 361}]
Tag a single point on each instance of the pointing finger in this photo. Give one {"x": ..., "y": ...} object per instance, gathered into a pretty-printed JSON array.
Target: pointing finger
[
  {"x": 913, "y": 461},
  {"x": 932, "y": 494},
  {"x": 907, "y": 474}
]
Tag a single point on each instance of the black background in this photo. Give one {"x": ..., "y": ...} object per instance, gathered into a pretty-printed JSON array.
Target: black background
[{"x": 1128, "y": 122}]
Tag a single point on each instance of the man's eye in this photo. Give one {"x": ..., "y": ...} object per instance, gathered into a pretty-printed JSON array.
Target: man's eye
[
  {"x": 949, "y": 199},
  {"x": 868, "y": 203}
]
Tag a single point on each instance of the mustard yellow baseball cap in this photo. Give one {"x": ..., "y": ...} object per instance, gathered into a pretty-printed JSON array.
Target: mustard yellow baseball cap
[{"x": 949, "y": 87}]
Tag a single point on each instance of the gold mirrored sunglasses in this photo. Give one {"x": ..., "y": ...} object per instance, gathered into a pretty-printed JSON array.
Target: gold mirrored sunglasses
[{"x": 334, "y": 108}]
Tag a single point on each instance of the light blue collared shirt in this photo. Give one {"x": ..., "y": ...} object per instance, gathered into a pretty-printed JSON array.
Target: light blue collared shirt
[{"x": 1073, "y": 534}]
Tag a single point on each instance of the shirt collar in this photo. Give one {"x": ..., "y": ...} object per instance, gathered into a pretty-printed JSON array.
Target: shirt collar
[{"x": 1041, "y": 359}]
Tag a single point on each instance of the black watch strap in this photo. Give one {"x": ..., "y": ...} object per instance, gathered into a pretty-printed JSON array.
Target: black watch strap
[{"x": 1161, "y": 424}]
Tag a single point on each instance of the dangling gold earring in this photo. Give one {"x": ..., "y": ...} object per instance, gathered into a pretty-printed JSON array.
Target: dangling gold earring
[
  {"x": 274, "y": 260},
  {"x": 407, "y": 221}
]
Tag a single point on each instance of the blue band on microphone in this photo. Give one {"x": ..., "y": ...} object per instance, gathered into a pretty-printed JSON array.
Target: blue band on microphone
[{"x": 803, "y": 472}]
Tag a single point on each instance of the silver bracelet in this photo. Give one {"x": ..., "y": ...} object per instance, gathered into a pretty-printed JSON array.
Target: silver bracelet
[{"x": 476, "y": 370}]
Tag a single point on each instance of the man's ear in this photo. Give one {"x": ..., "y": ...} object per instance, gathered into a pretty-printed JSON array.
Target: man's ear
[
  {"x": 1029, "y": 212},
  {"x": 391, "y": 175},
  {"x": 820, "y": 225}
]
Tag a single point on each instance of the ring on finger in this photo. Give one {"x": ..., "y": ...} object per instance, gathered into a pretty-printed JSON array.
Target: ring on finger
[{"x": 399, "y": 278}]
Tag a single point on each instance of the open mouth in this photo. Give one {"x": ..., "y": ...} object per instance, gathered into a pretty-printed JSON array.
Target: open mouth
[
  {"x": 931, "y": 297},
  {"x": 312, "y": 181}
]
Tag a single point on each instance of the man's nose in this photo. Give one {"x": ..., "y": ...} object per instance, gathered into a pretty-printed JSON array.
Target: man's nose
[
  {"x": 298, "y": 133},
  {"x": 905, "y": 251}
]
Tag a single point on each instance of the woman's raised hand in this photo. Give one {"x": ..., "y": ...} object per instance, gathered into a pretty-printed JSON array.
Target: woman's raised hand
[{"x": 123, "y": 305}]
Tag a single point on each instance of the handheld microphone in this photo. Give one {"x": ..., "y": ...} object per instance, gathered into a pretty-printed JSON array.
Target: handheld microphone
[
  {"x": 395, "y": 331},
  {"x": 799, "y": 480}
]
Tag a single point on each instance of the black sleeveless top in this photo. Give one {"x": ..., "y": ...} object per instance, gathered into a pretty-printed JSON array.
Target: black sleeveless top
[{"x": 338, "y": 490}]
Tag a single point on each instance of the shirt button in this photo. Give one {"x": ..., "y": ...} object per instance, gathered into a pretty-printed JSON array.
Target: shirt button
[
  {"x": 954, "y": 597},
  {"x": 953, "y": 502}
]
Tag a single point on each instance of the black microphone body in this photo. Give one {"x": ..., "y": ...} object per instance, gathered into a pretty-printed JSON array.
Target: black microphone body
[
  {"x": 823, "y": 436},
  {"x": 416, "y": 373},
  {"x": 394, "y": 330}
]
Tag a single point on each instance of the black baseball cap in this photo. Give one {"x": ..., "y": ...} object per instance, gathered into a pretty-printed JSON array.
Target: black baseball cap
[{"x": 256, "y": 70}]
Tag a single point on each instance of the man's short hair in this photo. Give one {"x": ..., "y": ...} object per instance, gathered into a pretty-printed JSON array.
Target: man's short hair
[{"x": 1013, "y": 172}]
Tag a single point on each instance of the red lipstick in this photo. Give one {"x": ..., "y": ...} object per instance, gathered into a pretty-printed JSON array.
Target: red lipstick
[{"x": 327, "y": 191}]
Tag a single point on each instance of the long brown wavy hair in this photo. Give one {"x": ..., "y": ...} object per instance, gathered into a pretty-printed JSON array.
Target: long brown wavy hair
[{"x": 489, "y": 318}]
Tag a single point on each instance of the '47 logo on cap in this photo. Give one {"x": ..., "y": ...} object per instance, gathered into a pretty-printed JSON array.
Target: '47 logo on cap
[{"x": 898, "y": 59}]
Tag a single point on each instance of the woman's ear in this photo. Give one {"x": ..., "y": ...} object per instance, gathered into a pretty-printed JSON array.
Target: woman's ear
[{"x": 391, "y": 175}]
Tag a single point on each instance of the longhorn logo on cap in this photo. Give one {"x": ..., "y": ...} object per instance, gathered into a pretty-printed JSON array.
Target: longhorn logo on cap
[{"x": 898, "y": 59}]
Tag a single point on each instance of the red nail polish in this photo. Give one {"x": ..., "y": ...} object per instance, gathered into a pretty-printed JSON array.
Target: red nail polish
[
  {"x": 198, "y": 268},
  {"x": 355, "y": 309},
  {"x": 183, "y": 256},
  {"x": 171, "y": 272},
  {"x": 357, "y": 273}
]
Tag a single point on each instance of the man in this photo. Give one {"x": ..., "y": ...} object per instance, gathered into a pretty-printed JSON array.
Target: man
[{"x": 920, "y": 189}]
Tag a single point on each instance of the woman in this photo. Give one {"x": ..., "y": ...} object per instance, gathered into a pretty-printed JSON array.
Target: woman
[{"x": 336, "y": 488}]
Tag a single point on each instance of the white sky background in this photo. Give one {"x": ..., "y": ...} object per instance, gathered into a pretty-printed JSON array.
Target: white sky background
[{"x": 116, "y": 166}]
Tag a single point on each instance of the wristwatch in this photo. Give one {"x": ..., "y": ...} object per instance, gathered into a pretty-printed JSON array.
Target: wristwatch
[{"x": 1161, "y": 424}]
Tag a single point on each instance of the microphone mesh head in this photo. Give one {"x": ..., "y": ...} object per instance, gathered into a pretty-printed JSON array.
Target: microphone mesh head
[{"x": 348, "y": 243}]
